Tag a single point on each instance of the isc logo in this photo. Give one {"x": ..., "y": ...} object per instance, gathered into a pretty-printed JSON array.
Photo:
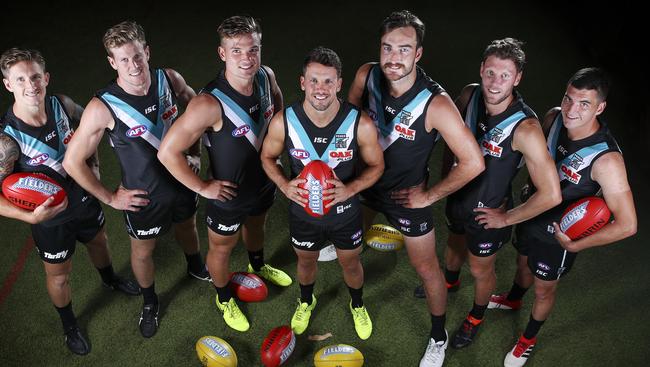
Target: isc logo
[
  {"x": 39, "y": 159},
  {"x": 136, "y": 131},
  {"x": 241, "y": 131},
  {"x": 299, "y": 153}
]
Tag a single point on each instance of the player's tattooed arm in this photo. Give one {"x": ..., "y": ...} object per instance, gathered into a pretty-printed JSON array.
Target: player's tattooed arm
[{"x": 9, "y": 153}]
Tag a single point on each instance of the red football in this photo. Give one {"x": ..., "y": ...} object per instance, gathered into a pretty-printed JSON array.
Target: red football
[
  {"x": 316, "y": 172},
  {"x": 248, "y": 287},
  {"x": 28, "y": 190},
  {"x": 278, "y": 346},
  {"x": 584, "y": 217}
]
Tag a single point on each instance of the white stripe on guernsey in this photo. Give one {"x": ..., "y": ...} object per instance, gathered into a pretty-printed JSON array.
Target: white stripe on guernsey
[
  {"x": 31, "y": 152},
  {"x": 237, "y": 121},
  {"x": 131, "y": 122},
  {"x": 333, "y": 163},
  {"x": 297, "y": 144},
  {"x": 385, "y": 142},
  {"x": 562, "y": 264},
  {"x": 586, "y": 161}
]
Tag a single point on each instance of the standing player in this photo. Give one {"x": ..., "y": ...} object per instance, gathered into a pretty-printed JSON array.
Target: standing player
[
  {"x": 322, "y": 127},
  {"x": 411, "y": 112},
  {"x": 507, "y": 130},
  {"x": 588, "y": 162},
  {"x": 34, "y": 138},
  {"x": 136, "y": 109},
  {"x": 233, "y": 111}
]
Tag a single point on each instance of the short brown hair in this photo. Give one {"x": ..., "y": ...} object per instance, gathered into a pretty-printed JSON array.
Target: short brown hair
[
  {"x": 123, "y": 33},
  {"x": 507, "y": 49},
  {"x": 15, "y": 55},
  {"x": 402, "y": 19},
  {"x": 237, "y": 25}
]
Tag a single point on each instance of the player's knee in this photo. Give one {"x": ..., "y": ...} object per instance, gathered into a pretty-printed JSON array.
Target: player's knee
[{"x": 544, "y": 293}]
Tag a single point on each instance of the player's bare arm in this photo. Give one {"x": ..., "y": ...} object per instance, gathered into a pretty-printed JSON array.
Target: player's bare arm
[
  {"x": 358, "y": 85},
  {"x": 184, "y": 94},
  {"x": 609, "y": 171},
  {"x": 76, "y": 111},
  {"x": 95, "y": 119},
  {"x": 373, "y": 159},
  {"x": 461, "y": 103},
  {"x": 9, "y": 154},
  {"x": 529, "y": 140},
  {"x": 202, "y": 113},
  {"x": 443, "y": 116},
  {"x": 272, "y": 148}
]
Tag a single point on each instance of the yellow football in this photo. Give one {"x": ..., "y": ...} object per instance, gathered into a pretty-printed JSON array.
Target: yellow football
[
  {"x": 215, "y": 352},
  {"x": 385, "y": 238},
  {"x": 338, "y": 355}
]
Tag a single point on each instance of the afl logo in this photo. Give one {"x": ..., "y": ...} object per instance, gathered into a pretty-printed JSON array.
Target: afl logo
[
  {"x": 136, "y": 131},
  {"x": 299, "y": 153},
  {"x": 241, "y": 131},
  {"x": 39, "y": 159}
]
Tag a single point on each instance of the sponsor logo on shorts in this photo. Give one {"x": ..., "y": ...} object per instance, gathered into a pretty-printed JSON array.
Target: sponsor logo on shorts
[
  {"x": 405, "y": 229},
  {"x": 39, "y": 159},
  {"x": 404, "y": 221},
  {"x": 561, "y": 270},
  {"x": 423, "y": 226},
  {"x": 241, "y": 131},
  {"x": 299, "y": 153},
  {"x": 148, "y": 232},
  {"x": 542, "y": 273},
  {"x": 543, "y": 266},
  {"x": 574, "y": 216},
  {"x": 136, "y": 131},
  {"x": 208, "y": 220},
  {"x": 232, "y": 228},
  {"x": 58, "y": 255},
  {"x": 341, "y": 208},
  {"x": 356, "y": 235},
  {"x": 485, "y": 245},
  {"x": 302, "y": 244}
]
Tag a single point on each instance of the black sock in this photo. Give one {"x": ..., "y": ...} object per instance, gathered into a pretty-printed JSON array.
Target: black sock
[
  {"x": 357, "y": 296},
  {"x": 306, "y": 292},
  {"x": 68, "y": 318},
  {"x": 533, "y": 327},
  {"x": 194, "y": 262},
  {"x": 438, "y": 328},
  {"x": 478, "y": 311},
  {"x": 451, "y": 276},
  {"x": 516, "y": 292},
  {"x": 107, "y": 274},
  {"x": 223, "y": 293},
  {"x": 256, "y": 258},
  {"x": 149, "y": 294}
]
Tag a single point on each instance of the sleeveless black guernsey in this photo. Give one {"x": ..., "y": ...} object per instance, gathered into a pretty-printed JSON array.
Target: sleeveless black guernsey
[
  {"x": 494, "y": 135},
  {"x": 235, "y": 149},
  {"x": 140, "y": 124},
  {"x": 43, "y": 148},
  {"x": 335, "y": 144},
  {"x": 574, "y": 160},
  {"x": 401, "y": 129}
]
